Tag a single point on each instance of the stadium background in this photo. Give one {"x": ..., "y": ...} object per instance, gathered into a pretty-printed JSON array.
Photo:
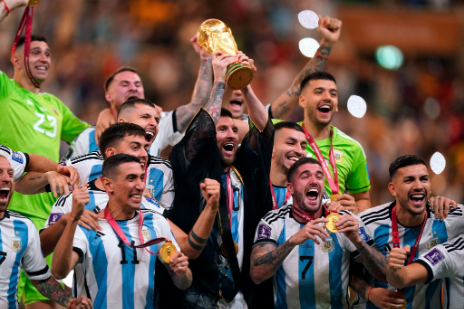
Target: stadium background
[{"x": 418, "y": 108}]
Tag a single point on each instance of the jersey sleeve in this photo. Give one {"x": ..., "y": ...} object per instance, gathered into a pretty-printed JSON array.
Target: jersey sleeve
[
  {"x": 34, "y": 264},
  {"x": 455, "y": 222},
  {"x": 444, "y": 260},
  {"x": 362, "y": 231},
  {"x": 61, "y": 207},
  {"x": 72, "y": 126},
  {"x": 18, "y": 160},
  {"x": 358, "y": 178},
  {"x": 80, "y": 145},
  {"x": 268, "y": 229},
  {"x": 167, "y": 198},
  {"x": 80, "y": 244},
  {"x": 6, "y": 85}
]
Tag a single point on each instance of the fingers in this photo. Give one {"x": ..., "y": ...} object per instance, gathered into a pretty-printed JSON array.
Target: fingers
[
  {"x": 90, "y": 219},
  {"x": 194, "y": 39},
  {"x": 85, "y": 226}
]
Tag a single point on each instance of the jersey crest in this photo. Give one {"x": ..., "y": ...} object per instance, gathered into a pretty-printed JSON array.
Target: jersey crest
[
  {"x": 146, "y": 234},
  {"x": 16, "y": 244},
  {"x": 328, "y": 245},
  {"x": 433, "y": 242}
]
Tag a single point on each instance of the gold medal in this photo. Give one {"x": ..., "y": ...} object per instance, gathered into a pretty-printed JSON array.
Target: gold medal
[
  {"x": 33, "y": 2},
  {"x": 334, "y": 196},
  {"x": 224, "y": 251},
  {"x": 404, "y": 305},
  {"x": 332, "y": 217},
  {"x": 167, "y": 250}
]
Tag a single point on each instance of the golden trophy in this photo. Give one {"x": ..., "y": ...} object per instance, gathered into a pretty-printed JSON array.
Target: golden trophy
[
  {"x": 214, "y": 35},
  {"x": 33, "y": 2}
]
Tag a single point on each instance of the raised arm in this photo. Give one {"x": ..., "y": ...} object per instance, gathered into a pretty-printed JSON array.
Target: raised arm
[
  {"x": 10, "y": 5},
  {"x": 201, "y": 91},
  {"x": 329, "y": 29}
]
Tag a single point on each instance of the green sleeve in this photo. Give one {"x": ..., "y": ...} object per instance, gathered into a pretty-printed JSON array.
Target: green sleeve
[
  {"x": 72, "y": 126},
  {"x": 6, "y": 85},
  {"x": 358, "y": 178}
]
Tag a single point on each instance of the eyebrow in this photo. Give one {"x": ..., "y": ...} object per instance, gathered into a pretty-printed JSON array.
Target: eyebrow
[
  {"x": 322, "y": 88},
  {"x": 292, "y": 139},
  {"x": 137, "y": 143}
]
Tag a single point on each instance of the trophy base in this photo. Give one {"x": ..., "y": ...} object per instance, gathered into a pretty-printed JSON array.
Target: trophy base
[{"x": 239, "y": 76}]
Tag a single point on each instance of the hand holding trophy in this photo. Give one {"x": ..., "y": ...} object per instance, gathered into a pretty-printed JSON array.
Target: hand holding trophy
[{"x": 213, "y": 35}]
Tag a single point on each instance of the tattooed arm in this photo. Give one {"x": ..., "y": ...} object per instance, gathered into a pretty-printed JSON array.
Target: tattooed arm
[
  {"x": 329, "y": 29},
  {"x": 51, "y": 289},
  {"x": 34, "y": 183},
  {"x": 201, "y": 91}
]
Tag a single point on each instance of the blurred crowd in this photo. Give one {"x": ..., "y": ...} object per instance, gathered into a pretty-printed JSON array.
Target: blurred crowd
[{"x": 417, "y": 109}]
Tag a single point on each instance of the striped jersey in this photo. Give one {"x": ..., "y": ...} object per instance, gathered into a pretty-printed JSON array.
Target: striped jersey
[
  {"x": 117, "y": 276},
  {"x": 311, "y": 275},
  {"x": 168, "y": 133},
  {"x": 18, "y": 160},
  {"x": 378, "y": 224},
  {"x": 159, "y": 179},
  {"x": 19, "y": 249},
  {"x": 281, "y": 193},
  {"x": 446, "y": 261},
  {"x": 83, "y": 144}
]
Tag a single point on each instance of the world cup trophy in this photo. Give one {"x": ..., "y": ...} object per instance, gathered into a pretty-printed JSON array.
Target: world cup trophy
[{"x": 214, "y": 35}]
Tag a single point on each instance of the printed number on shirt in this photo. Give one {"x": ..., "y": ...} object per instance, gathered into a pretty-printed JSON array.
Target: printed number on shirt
[
  {"x": 122, "y": 245},
  {"x": 52, "y": 122},
  {"x": 3, "y": 255},
  {"x": 307, "y": 266}
]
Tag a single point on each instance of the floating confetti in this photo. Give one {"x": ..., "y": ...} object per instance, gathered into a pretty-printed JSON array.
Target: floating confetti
[
  {"x": 308, "y": 19},
  {"x": 357, "y": 106},
  {"x": 437, "y": 163},
  {"x": 308, "y": 47}
]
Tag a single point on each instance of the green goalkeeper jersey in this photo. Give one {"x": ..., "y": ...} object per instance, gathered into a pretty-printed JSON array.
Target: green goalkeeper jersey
[{"x": 34, "y": 123}]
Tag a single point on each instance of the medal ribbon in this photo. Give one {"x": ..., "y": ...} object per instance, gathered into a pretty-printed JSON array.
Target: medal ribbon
[
  {"x": 275, "y": 205},
  {"x": 26, "y": 22},
  {"x": 117, "y": 229},
  {"x": 333, "y": 181},
  {"x": 230, "y": 198},
  {"x": 300, "y": 213},
  {"x": 396, "y": 236}
]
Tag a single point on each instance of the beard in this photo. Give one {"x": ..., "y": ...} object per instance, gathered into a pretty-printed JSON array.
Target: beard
[
  {"x": 226, "y": 162},
  {"x": 299, "y": 199}
]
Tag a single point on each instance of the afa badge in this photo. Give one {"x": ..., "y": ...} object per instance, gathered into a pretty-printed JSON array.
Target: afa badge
[
  {"x": 16, "y": 244},
  {"x": 338, "y": 156},
  {"x": 433, "y": 242},
  {"x": 328, "y": 245},
  {"x": 146, "y": 234},
  {"x": 150, "y": 188},
  {"x": 17, "y": 157}
]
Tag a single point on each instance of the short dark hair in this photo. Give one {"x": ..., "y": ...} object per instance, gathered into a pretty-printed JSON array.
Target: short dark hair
[
  {"x": 131, "y": 104},
  {"x": 34, "y": 37},
  {"x": 112, "y": 163},
  {"x": 225, "y": 112},
  {"x": 288, "y": 125},
  {"x": 116, "y": 132},
  {"x": 297, "y": 164},
  {"x": 110, "y": 79},
  {"x": 403, "y": 161},
  {"x": 316, "y": 76}
]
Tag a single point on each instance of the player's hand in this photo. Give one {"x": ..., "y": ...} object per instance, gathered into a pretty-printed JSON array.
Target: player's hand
[
  {"x": 333, "y": 206},
  {"x": 58, "y": 183},
  {"x": 329, "y": 29},
  {"x": 397, "y": 257},
  {"x": 179, "y": 264},
  {"x": 80, "y": 199},
  {"x": 71, "y": 172},
  {"x": 312, "y": 230},
  {"x": 89, "y": 220},
  {"x": 220, "y": 63},
  {"x": 81, "y": 302},
  {"x": 244, "y": 59},
  {"x": 385, "y": 299},
  {"x": 204, "y": 55},
  {"x": 211, "y": 189},
  {"x": 147, "y": 193},
  {"x": 347, "y": 202},
  {"x": 349, "y": 225},
  {"x": 105, "y": 119},
  {"x": 441, "y": 206}
]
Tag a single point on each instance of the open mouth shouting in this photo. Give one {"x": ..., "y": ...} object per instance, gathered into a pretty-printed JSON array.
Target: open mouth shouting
[
  {"x": 236, "y": 105},
  {"x": 228, "y": 148},
  {"x": 417, "y": 198},
  {"x": 324, "y": 108},
  {"x": 312, "y": 195},
  {"x": 4, "y": 195},
  {"x": 149, "y": 136}
]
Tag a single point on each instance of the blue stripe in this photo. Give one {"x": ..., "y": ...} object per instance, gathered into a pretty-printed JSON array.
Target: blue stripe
[
  {"x": 439, "y": 230},
  {"x": 280, "y": 194},
  {"x": 281, "y": 297},
  {"x": 128, "y": 271},
  {"x": 20, "y": 231},
  {"x": 100, "y": 267},
  {"x": 92, "y": 145},
  {"x": 409, "y": 238},
  {"x": 91, "y": 204},
  {"x": 306, "y": 286},
  {"x": 335, "y": 274},
  {"x": 430, "y": 292},
  {"x": 151, "y": 293},
  {"x": 156, "y": 182},
  {"x": 96, "y": 171}
]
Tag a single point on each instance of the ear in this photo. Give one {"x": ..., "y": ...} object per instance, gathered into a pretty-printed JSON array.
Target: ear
[
  {"x": 16, "y": 60},
  {"x": 110, "y": 152},
  {"x": 302, "y": 101},
  {"x": 107, "y": 184},
  {"x": 392, "y": 189},
  {"x": 290, "y": 188},
  {"x": 122, "y": 120},
  {"x": 108, "y": 97}
]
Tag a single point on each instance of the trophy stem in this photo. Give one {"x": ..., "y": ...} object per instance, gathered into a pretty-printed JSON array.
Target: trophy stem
[{"x": 239, "y": 76}]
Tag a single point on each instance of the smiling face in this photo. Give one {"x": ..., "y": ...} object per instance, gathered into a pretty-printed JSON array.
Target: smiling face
[
  {"x": 40, "y": 59},
  {"x": 320, "y": 101},
  {"x": 289, "y": 147},
  {"x": 412, "y": 188},
  {"x": 145, "y": 116},
  {"x": 227, "y": 140},
  {"x": 307, "y": 188},
  {"x": 6, "y": 183},
  {"x": 134, "y": 145},
  {"x": 125, "y": 86},
  {"x": 127, "y": 186}
]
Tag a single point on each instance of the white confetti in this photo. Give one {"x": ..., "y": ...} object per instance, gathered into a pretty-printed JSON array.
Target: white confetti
[
  {"x": 357, "y": 106},
  {"x": 308, "y": 19},
  {"x": 308, "y": 47},
  {"x": 437, "y": 163}
]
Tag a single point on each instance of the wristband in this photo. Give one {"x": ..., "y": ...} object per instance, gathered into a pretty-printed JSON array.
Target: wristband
[
  {"x": 70, "y": 304},
  {"x": 6, "y": 8},
  {"x": 318, "y": 54},
  {"x": 74, "y": 217},
  {"x": 369, "y": 293}
]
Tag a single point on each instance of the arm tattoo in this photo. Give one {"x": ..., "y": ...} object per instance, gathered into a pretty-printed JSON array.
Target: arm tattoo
[
  {"x": 194, "y": 245},
  {"x": 272, "y": 255},
  {"x": 50, "y": 288},
  {"x": 358, "y": 281},
  {"x": 374, "y": 261},
  {"x": 215, "y": 100},
  {"x": 34, "y": 178},
  {"x": 198, "y": 239}
]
